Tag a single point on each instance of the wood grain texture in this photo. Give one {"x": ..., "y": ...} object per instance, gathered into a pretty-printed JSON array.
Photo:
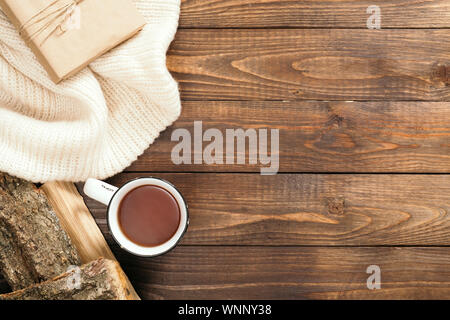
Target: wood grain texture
[
  {"x": 291, "y": 273},
  {"x": 77, "y": 221},
  {"x": 312, "y": 13},
  {"x": 309, "y": 209},
  {"x": 289, "y": 64},
  {"x": 306, "y": 236},
  {"x": 321, "y": 136}
]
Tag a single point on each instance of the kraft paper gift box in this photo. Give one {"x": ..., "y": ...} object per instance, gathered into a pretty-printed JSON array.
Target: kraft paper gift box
[{"x": 66, "y": 35}]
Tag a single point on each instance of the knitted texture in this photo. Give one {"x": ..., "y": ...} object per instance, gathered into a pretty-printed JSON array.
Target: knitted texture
[{"x": 96, "y": 123}]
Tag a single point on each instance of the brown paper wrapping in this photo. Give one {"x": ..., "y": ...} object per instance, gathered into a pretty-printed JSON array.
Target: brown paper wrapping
[{"x": 104, "y": 24}]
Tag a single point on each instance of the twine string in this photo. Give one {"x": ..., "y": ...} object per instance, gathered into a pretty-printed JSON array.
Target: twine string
[{"x": 56, "y": 14}]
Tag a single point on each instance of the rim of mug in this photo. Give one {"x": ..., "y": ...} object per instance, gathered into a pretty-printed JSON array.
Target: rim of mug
[{"x": 148, "y": 255}]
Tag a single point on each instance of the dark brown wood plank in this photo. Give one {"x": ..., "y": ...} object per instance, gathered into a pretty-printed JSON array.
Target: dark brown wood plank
[
  {"x": 322, "y": 136},
  {"x": 309, "y": 209},
  {"x": 289, "y": 64},
  {"x": 290, "y": 273},
  {"x": 312, "y": 13}
]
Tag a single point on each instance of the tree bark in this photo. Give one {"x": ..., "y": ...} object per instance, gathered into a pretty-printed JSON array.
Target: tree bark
[
  {"x": 101, "y": 279},
  {"x": 33, "y": 246}
]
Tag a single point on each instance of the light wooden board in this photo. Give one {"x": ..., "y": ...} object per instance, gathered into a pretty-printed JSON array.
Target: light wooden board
[{"x": 79, "y": 224}]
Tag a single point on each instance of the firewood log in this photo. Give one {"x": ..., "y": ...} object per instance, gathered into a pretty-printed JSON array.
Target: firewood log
[
  {"x": 100, "y": 279},
  {"x": 33, "y": 246}
]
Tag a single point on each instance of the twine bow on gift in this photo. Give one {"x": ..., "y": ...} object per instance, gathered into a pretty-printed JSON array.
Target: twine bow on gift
[{"x": 51, "y": 20}]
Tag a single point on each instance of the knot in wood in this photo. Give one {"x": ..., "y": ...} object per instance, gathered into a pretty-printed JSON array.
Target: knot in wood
[
  {"x": 336, "y": 205},
  {"x": 441, "y": 74}
]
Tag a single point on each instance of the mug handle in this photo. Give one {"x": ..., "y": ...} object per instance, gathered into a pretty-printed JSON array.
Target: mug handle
[{"x": 99, "y": 190}]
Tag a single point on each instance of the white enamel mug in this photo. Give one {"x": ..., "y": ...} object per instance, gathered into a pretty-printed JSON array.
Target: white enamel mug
[{"x": 112, "y": 196}]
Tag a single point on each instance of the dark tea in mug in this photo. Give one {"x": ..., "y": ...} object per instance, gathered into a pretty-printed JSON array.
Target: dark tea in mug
[{"x": 149, "y": 215}]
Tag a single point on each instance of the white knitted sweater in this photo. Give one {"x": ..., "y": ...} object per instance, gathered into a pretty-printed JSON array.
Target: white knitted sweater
[{"x": 96, "y": 123}]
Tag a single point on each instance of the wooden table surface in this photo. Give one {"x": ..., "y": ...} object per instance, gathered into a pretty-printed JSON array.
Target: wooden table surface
[{"x": 364, "y": 120}]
